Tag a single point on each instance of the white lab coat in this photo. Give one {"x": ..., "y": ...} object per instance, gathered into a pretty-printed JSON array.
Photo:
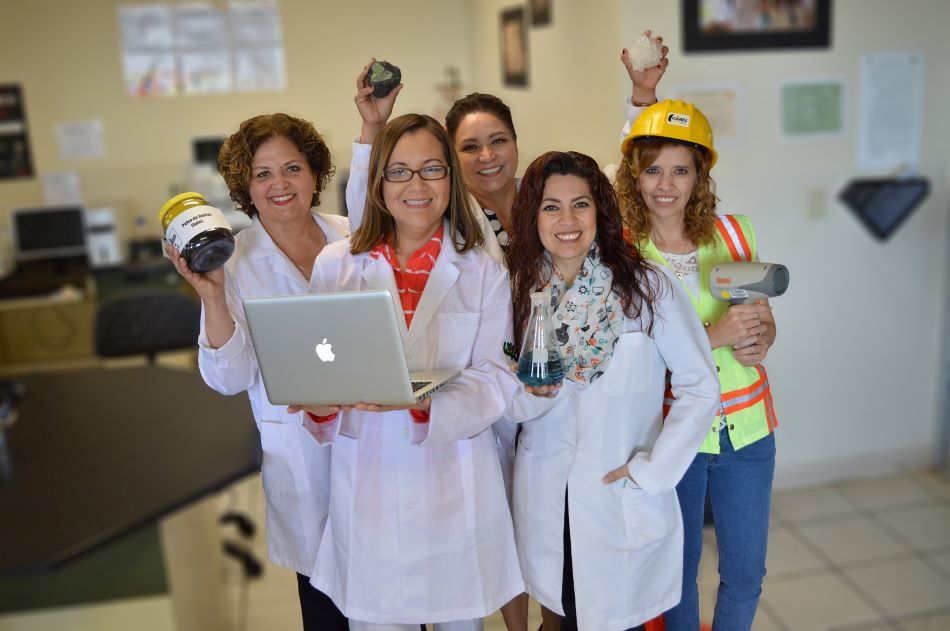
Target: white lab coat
[
  {"x": 626, "y": 539},
  {"x": 356, "y": 185},
  {"x": 419, "y": 527},
  {"x": 295, "y": 470}
]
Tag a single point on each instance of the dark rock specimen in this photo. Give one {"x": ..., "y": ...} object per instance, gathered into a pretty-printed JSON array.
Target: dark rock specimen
[{"x": 383, "y": 76}]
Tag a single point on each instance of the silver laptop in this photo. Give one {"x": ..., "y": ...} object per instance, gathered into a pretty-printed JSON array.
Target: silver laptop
[{"x": 344, "y": 348}]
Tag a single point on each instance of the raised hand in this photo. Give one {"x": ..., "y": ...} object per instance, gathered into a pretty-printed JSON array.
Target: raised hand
[
  {"x": 644, "y": 81},
  {"x": 373, "y": 111}
]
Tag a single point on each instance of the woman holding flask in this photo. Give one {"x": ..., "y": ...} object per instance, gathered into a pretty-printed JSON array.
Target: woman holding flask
[{"x": 597, "y": 523}]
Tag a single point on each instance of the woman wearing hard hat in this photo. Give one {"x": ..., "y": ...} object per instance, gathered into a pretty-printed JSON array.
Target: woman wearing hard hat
[{"x": 668, "y": 202}]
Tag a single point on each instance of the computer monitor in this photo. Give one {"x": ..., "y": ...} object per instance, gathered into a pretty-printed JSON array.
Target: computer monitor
[
  {"x": 48, "y": 232},
  {"x": 205, "y": 150}
]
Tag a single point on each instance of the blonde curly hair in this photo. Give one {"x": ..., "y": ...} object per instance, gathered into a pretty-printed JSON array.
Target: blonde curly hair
[{"x": 699, "y": 223}]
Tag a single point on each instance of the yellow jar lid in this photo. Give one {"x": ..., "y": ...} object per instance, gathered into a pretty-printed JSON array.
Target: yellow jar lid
[{"x": 177, "y": 199}]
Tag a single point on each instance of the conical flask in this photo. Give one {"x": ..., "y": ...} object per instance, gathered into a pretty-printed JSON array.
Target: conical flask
[{"x": 539, "y": 363}]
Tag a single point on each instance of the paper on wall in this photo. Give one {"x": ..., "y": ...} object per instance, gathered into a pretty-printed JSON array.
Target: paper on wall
[
  {"x": 145, "y": 26},
  {"x": 890, "y": 111},
  {"x": 61, "y": 187},
  {"x": 812, "y": 108},
  {"x": 255, "y": 22},
  {"x": 723, "y": 104},
  {"x": 80, "y": 140},
  {"x": 259, "y": 68}
]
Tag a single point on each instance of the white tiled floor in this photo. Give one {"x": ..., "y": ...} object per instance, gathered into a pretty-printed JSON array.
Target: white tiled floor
[{"x": 866, "y": 555}]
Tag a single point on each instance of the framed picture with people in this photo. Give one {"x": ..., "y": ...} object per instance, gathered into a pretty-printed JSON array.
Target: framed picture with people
[{"x": 723, "y": 25}]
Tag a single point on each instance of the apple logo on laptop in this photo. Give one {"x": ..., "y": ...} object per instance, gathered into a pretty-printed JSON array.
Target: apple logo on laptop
[{"x": 325, "y": 351}]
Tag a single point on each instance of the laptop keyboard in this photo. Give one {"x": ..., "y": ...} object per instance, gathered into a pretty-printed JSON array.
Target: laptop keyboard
[{"x": 419, "y": 385}]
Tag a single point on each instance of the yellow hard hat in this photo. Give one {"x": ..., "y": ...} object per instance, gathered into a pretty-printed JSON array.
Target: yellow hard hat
[{"x": 678, "y": 120}]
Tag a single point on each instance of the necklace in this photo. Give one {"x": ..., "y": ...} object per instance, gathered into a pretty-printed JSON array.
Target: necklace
[{"x": 682, "y": 264}]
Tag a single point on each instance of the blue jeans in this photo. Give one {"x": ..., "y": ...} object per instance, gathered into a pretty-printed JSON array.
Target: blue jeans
[{"x": 739, "y": 484}]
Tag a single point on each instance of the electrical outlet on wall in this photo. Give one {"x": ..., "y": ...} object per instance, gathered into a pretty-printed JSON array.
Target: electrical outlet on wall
[{"x": 816, "y": 203}]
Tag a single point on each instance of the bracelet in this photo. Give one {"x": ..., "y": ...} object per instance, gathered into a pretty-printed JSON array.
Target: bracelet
[{"x": 635, "y": 104}]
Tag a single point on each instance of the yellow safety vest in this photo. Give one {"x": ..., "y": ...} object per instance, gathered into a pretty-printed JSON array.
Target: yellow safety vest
[{"x": 746, "y": 396}]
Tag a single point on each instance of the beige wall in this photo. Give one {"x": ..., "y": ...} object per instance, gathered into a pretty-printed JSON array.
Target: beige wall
[
  {"x": 66, "y": 56},
  {"x": 857, "y": 365},
  {"x": 574, "y": 100},
  {"x": 856, "y": 368}
]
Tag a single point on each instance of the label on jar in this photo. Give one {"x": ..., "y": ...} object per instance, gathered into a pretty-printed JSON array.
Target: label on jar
[{"x": 192, "y": 222}]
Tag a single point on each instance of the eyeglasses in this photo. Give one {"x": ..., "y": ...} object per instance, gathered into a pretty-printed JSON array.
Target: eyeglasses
[{"x": 402, "y": 174}]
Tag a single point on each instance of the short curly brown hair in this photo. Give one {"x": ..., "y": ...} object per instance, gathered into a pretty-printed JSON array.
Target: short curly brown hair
[
  {"x": 699, "y": 225},
  {"x": 237, "y": 153}
]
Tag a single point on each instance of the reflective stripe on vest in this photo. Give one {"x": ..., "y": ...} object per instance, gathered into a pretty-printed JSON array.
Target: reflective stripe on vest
[
  {"x": 732, "y": 235},
  {"x": 759, "y": 391},
  {"x": 743, "y": 398}
]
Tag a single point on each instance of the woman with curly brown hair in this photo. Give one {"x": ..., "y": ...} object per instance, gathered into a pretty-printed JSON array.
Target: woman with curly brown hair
[
  {"x": 275, "y": 167},
  {"x": 596, "y": 519},
  {"x": 669, "y": 203}
]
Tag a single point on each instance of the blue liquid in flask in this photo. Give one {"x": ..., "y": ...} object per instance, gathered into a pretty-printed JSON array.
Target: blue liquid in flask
[{"x": 546, "y": 373}]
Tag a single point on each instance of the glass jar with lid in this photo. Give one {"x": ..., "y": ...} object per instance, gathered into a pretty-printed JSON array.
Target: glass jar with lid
[{"x": 198, "y": 231}]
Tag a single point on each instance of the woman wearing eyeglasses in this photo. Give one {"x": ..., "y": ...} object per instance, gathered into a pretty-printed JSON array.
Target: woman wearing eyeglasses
[
  {"x": 482, "y": 132},
  {"x": 419, "y": 529}
]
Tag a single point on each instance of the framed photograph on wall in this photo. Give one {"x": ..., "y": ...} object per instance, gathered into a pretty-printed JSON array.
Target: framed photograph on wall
[
  {"x": 723, "y": 25},
  {"x": 540, "y": 12},
  {"x": 514, "y": 47}
]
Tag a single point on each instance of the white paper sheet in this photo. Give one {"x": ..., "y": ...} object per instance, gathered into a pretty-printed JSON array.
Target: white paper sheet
[
  {"x": 61, "y": 187},
  {"x": 255, "y": 22},
  {"x": 145, "y": 26},
  {"x": 723, "y": 104},
  {"x": 80, "y": 140},
  {"x": 149, "y": 74},
  {"x": 890, "y": 111},
  {"x": 199, "y": 25},
  {"x": 259, "y": 68},
  {"x": 205, "y": 71}
]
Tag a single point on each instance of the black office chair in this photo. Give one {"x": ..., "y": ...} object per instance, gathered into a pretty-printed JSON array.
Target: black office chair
[{"x": 146, "y": 322}]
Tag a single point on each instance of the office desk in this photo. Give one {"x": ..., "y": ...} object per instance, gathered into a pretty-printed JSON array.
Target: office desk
[
  {"x": 97, "y": 453},
  {"x": 46, "y": 315}
]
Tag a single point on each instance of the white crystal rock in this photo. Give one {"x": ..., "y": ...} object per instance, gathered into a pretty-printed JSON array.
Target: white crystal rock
[{"x": 645, "y": 53}]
